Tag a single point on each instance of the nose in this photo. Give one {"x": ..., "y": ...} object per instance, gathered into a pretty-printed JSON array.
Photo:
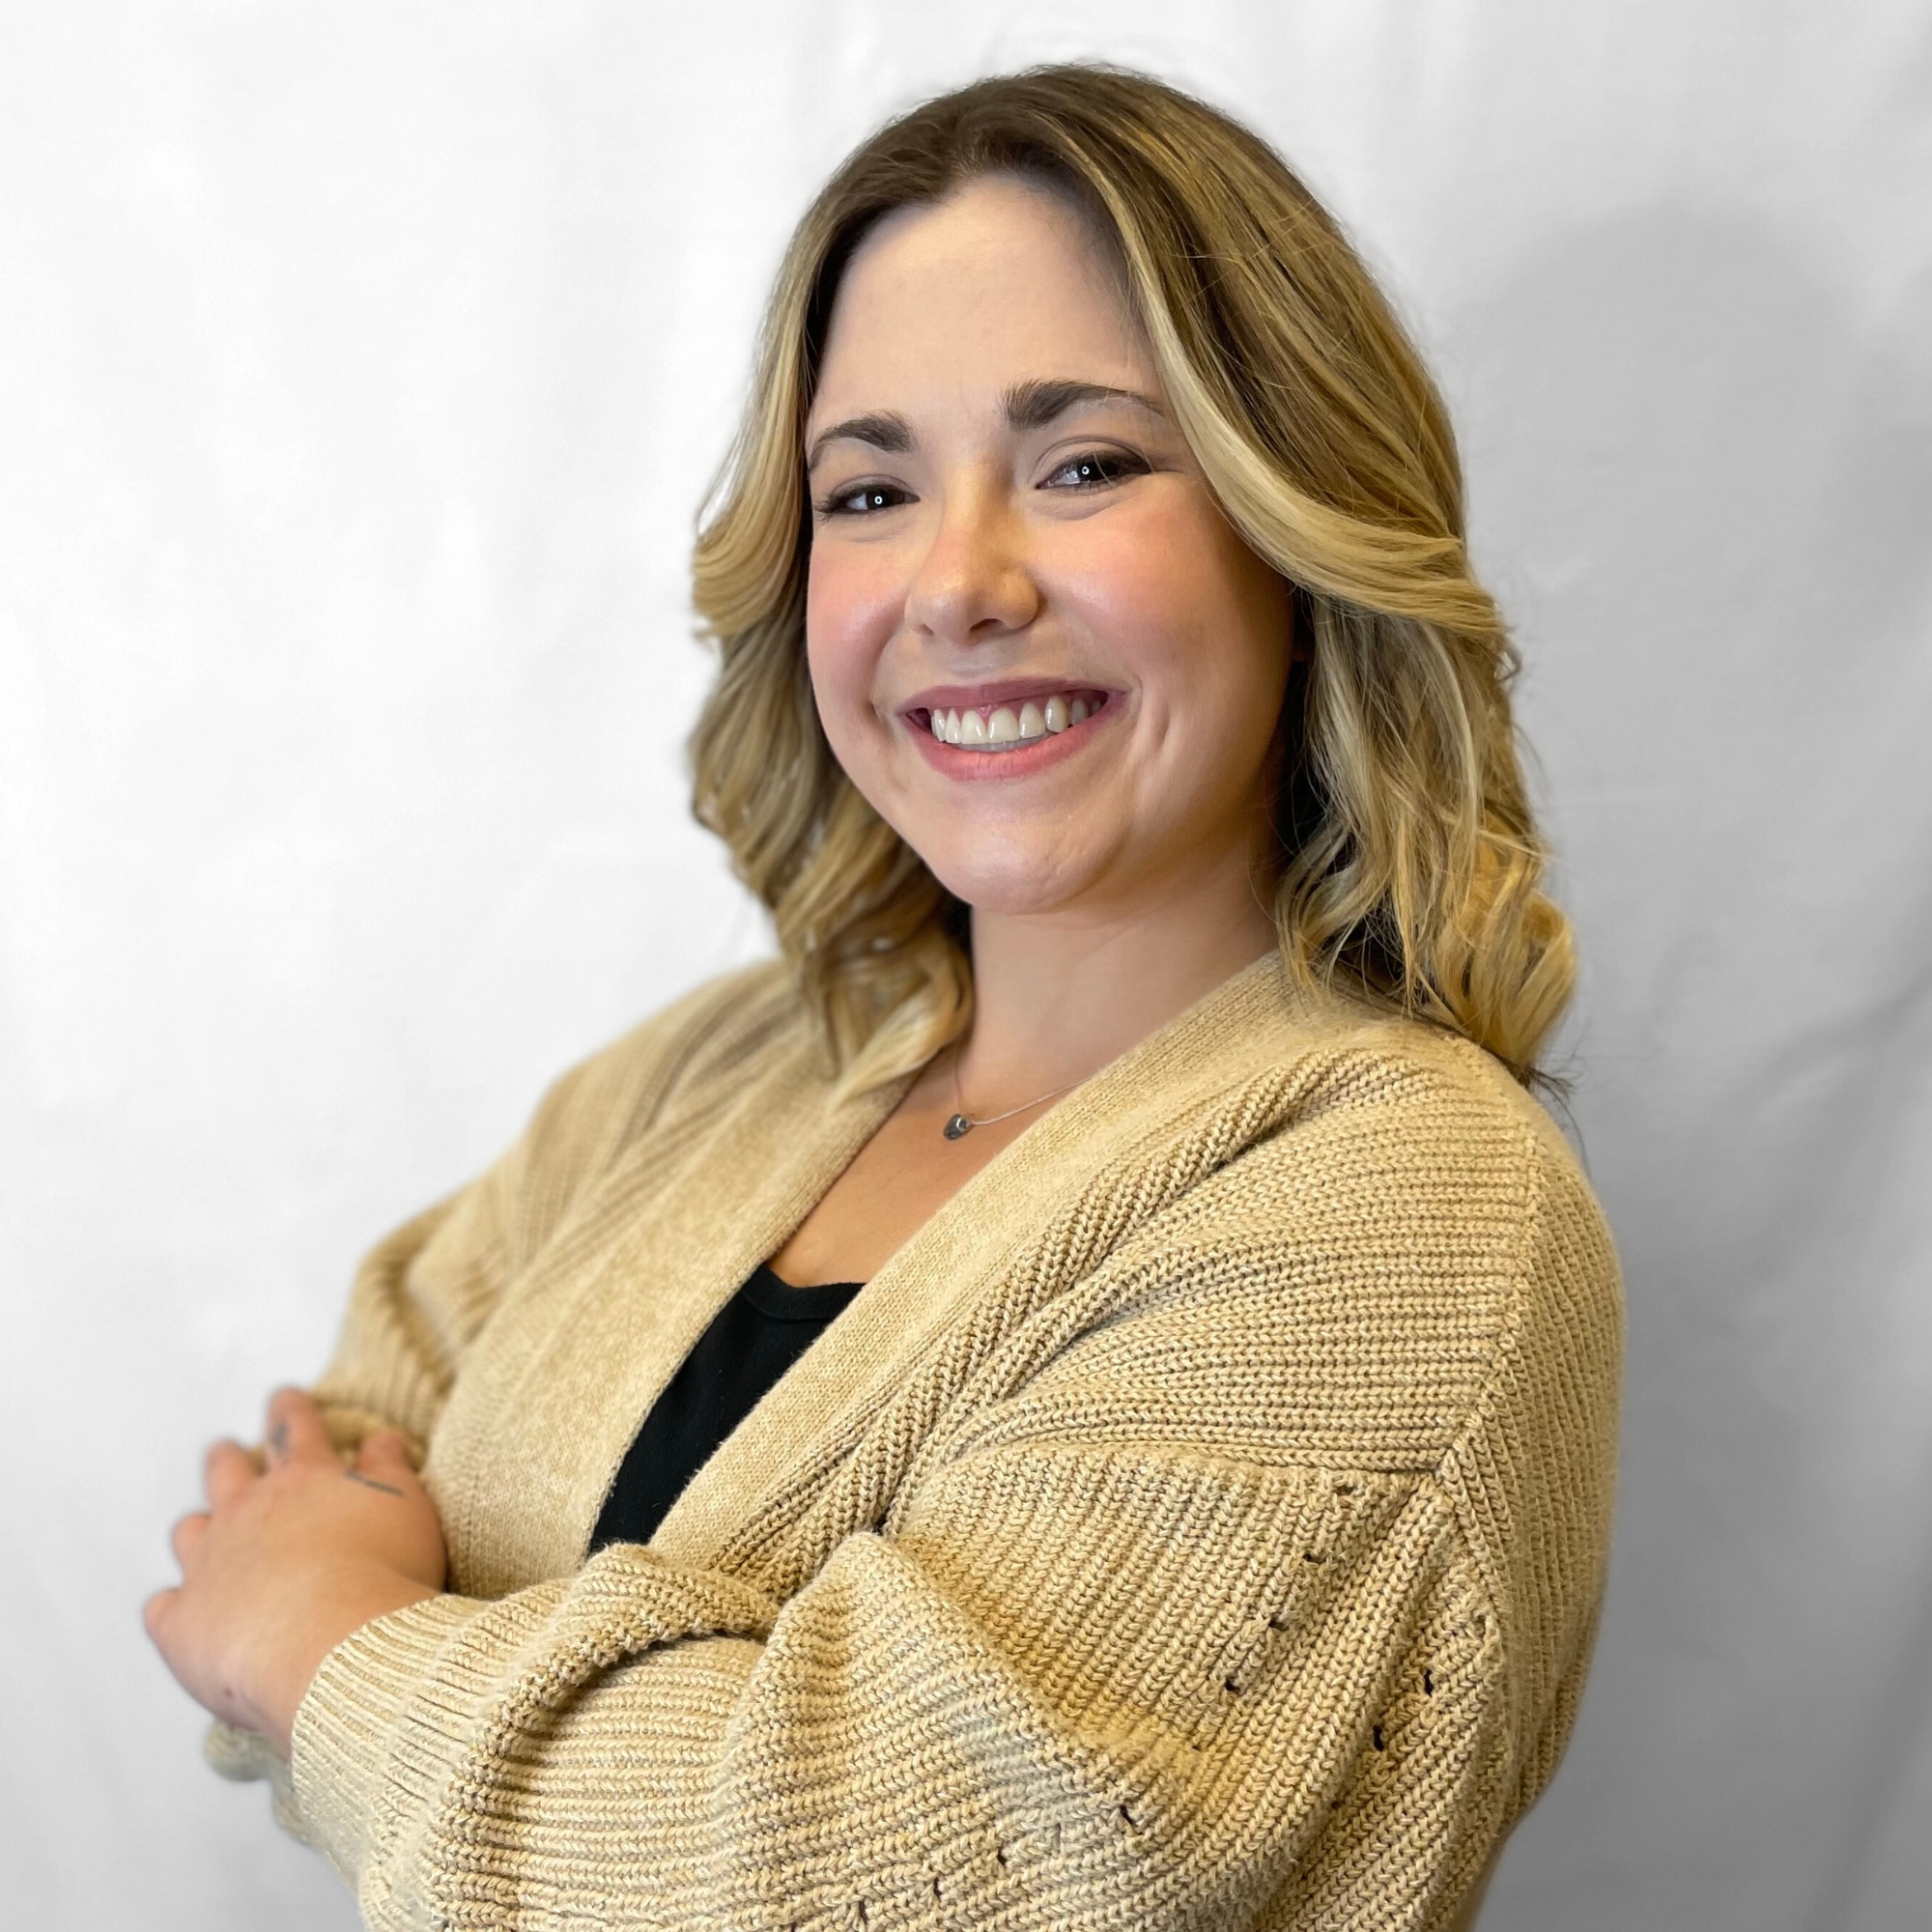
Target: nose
[{"x": 974, "y": 580}]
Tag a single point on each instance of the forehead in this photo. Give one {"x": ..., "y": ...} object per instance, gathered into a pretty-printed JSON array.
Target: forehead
[{"x": 1002, "y": 282}]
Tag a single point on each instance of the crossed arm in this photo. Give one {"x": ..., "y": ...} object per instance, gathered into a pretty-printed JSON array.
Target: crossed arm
[
  {"x": 1085, "y": 1665},
  {"x": 906, "y": 1670},
  {"x": 300, "y": 1546}
]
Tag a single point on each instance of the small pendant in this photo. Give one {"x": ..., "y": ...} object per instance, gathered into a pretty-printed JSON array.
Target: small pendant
[{"x": 958, "y": 1127}]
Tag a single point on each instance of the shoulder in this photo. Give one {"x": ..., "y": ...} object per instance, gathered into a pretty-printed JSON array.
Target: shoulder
[
  {"x": 1404, "y": 1231},
  {"x": 669, "y": 1062},
  {"x": 1411, "y": 1259},
  {"x": 1452, "y": 1281},
  {"x": 715, "y": 1027},
  {"x": 1404, "y": 1126},
  {"x": 1466, "y": 1163}
]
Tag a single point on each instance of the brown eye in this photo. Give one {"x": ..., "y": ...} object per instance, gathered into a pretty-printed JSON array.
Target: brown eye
[
  {"x": 863, "y": 499},
  {"x": 1094, "y": 469}
]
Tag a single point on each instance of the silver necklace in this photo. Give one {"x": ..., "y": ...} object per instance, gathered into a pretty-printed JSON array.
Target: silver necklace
[{"x": 961, "y": 1123}]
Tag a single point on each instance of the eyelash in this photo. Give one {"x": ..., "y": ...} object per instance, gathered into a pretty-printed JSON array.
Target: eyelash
[
  {"x": 838, "y": 503},
  {"x": 1118, "y": 462}
]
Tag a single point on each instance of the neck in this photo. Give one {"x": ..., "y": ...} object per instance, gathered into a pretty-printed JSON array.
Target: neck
[{"x": 1058, "y": 995}]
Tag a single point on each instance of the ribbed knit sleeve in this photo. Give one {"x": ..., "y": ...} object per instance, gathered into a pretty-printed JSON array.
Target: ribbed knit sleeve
[
  {"x": 1246, "y": 1583},
  {"x": 1038, "y": 1704}
]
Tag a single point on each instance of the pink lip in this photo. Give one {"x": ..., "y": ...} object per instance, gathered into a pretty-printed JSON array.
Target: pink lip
[{"x": 969, "y": 762}]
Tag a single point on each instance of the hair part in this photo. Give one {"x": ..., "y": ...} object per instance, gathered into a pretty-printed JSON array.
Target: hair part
[{"x": 1408, "y": 866}]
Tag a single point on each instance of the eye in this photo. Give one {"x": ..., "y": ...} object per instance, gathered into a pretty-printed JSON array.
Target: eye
[
  {"x": 1094, "y": 469},
  {"x": 863, "y": 499}
]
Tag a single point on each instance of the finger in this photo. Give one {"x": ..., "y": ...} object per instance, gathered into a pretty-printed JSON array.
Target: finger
[
  {"x": 226, "y": 1472},
  {"x": 186, "y": 1536},
  {"x": 384, "y": 1453},
  {"x": 296, "y": 1428},
  {"x": 155, "y": 1613}
]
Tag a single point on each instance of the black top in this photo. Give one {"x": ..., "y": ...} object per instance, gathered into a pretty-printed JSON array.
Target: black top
[{"x": 752, "y": 1340}]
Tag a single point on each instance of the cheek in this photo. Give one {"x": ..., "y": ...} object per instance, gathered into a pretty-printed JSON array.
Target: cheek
[
  {"x": 1190, "y": 612},
  {"x": 852, "y": 600}
]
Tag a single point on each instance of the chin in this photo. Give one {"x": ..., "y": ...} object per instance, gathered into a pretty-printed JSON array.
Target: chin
[{"x": 1012, "y": 885}]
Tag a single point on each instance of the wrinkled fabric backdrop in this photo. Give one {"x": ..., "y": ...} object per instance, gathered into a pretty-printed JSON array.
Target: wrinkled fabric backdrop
[{"x": 361, "y": 368}]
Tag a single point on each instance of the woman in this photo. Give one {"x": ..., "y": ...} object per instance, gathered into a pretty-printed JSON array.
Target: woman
[{"x": 1191, "y": 1507}]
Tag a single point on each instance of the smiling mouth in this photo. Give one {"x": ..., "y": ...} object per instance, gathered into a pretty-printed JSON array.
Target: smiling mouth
[{"x": 1006, "y": 727}]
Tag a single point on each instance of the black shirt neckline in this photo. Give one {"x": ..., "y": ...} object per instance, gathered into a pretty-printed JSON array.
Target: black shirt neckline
[
  {"x": 777, "y": 1300},
  {"x": 751, "y": 1342}
]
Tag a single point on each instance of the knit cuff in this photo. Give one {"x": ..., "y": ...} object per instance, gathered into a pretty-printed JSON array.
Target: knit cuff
[
  {"x": 395, "y": 1708},
  {"x": 366, "y": 1739}
]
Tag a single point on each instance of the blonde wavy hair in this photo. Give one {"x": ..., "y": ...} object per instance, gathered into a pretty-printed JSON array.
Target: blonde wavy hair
[{"x": 1406, "y": 862}]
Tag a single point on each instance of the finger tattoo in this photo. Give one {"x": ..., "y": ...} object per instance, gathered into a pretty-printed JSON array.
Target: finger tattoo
[
  {"x": 278, "y": 1438},
  {"x": 370, "y": 1483}
]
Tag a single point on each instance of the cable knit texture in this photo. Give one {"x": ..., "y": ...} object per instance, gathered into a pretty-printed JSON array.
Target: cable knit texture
[{"x": 1199, "y": 1522}]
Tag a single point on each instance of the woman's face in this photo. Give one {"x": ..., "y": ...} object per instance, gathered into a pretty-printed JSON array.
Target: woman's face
[{"x": 1038, "y": 646}]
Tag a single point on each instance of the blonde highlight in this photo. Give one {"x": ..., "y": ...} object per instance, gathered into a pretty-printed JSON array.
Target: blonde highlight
[{"x": 1408, "y": 869}]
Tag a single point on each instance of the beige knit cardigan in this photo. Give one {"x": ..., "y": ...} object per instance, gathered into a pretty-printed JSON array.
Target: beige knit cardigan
[{"x": 1199, "y": 1522}]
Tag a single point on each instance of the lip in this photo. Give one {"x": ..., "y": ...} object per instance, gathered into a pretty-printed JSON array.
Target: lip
[
  {"x": 989, "y": 696},
  {"x": 976, "y": 766}
]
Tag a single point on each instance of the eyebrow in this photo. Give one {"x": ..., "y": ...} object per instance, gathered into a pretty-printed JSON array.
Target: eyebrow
[
  {"x": 1029, "y": 405},
  {"x": 1035, "y": 403},
  {"x": 882, "y": 429}
]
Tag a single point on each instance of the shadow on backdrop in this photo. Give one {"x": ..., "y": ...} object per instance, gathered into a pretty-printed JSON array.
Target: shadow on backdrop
[{"x": 1709, "y": 489}]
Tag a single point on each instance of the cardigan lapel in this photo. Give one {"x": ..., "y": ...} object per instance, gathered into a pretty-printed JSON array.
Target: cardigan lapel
[
  {"x": 586, "y": 1340},
  {"x": 563, "y": 1374},
  {"x": 1123, "y": 1116}
]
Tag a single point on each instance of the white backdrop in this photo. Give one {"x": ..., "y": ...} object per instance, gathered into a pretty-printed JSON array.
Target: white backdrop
[{"x": 360, "y": 368}]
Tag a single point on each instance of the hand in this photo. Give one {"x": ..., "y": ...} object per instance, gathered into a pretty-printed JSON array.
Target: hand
[{"x": 292, "y": 1557}]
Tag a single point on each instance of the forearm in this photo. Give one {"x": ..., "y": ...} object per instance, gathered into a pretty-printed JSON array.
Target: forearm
[{"x": 992, "y": 1725}]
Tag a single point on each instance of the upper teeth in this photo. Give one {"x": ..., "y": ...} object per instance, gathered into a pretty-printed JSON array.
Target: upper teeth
[{"x": 1004, "y": 725}]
